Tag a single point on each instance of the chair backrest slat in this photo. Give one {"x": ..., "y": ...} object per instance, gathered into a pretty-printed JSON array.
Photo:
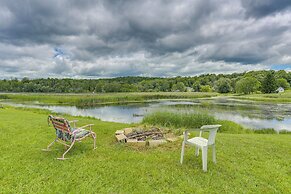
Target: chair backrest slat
[{"x": 60, "y": 124}]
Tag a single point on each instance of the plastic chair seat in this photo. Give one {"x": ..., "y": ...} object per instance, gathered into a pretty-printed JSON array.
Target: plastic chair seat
[{"x": 198, "y": 141}]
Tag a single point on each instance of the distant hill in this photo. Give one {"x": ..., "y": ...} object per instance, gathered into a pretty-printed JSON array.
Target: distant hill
[{"x": 205, "y": 83}]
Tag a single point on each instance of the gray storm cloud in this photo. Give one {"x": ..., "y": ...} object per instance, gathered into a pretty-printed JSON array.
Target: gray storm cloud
[{"x": 142, "y": 38}]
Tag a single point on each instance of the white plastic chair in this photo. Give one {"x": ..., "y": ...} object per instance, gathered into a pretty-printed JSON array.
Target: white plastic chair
[{"x": 202, "y": 143}]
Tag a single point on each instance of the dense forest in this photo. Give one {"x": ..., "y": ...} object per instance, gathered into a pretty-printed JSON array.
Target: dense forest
[{"x": 248, "y": 82}]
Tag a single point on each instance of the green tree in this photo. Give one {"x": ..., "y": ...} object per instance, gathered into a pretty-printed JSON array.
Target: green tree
[
  {"x": 146, "y": 86},
  {"x": 281, "y": 74},
  {"x": 269, "y": 84},
  {"x": 283, "y": 83},
  {"x": 112, "y": 87},
  {"x": 247, "y": 85},
  {"x": 180, "y": 86},
  {"x": 99, "y": 87},
  {"x": 196, "y": 86},
  {"x": 206, "y": 88},
  {"x": 164, "y": 86},
  {"x": 223, "y": 85}
]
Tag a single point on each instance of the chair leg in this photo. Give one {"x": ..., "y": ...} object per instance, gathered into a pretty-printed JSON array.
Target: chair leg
[
  {"x": 48, "y": 147},
  {"x": 182, "y": 152},
  {"x": 63, "y": 157},
  {"x": 204, "y": 158},
  {"x": 214, "y": 153},
  {"x": 196, "y": 151},
  {"x": 94, "y": 138}
]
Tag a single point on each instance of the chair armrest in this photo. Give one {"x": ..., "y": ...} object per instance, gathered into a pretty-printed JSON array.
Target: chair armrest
[
  {"x": 187, "y": 131},
  {"x": 89, "y": 125},
  {"x": 73, "y": 121}
]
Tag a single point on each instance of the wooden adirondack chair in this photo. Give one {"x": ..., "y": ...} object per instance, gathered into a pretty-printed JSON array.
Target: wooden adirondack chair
[{"x": 67, "y": 134}]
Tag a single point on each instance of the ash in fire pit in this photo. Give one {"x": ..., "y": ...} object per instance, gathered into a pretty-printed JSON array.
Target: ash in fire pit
[
  {"x": 144, "y": 136},
  {"x": 154, "y": 134}
]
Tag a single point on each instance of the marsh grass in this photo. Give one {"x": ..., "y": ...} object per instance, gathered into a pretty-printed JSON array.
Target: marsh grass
[
  {"x": 266, "y": 131},
  {"x": 232, "y": 127},
  {"x": 285, "y": 132},
  {"x": 184, "y": 120},
  {"x": 178, "y": 119},
  {"x": 83, "y": 100}
]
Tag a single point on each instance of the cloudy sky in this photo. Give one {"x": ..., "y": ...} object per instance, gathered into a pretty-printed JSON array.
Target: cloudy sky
[{"x": 93, "y": 39}]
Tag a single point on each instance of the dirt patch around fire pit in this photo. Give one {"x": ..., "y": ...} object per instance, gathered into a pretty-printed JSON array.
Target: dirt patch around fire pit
[{"x": 145, "y": 136}]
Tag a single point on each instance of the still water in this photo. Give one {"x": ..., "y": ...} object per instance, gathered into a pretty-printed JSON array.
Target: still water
[{"x": 249, "y": 114}]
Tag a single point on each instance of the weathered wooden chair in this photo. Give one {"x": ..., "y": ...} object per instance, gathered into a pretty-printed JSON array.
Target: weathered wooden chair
[
  {"x": 65, "y": 133},
  {"x": 202, "y": 143}
]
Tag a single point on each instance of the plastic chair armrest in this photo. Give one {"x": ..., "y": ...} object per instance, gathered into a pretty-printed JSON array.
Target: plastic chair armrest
[{"x": 187, "y": 131}]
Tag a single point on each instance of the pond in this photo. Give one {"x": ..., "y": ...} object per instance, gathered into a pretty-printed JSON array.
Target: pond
[{"x": 252, "y": 115}]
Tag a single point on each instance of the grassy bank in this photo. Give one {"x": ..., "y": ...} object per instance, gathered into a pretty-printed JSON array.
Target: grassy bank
[
  {"x": 101, "y": 98},
  {"x": 247, "y": 163},
  {"x": 284, "y": 97},
  {"x": 107, "y": 98}
]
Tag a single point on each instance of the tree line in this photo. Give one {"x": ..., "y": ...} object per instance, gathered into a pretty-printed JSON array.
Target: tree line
[{"x": 248, "y": 82}]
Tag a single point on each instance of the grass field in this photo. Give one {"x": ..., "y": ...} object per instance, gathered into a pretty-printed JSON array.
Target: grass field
[
  {"x": 247, "y": 163},
  {"x": 284, "y": 97}
]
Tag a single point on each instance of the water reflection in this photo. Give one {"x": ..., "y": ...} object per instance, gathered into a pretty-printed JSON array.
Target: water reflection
[{"x": 249, "y": 114}]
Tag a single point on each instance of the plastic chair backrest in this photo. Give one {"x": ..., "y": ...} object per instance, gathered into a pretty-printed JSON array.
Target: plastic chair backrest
[{"x": 212, "y": 132}]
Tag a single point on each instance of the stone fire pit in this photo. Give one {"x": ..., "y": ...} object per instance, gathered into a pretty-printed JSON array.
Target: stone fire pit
[{"x": 152, "y": 136}]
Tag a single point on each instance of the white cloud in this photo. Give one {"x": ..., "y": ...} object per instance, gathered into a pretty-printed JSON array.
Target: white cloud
[{"x": 152, "y": 38}]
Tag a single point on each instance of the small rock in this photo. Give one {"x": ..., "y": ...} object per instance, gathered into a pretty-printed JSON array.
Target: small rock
[
  {"x": 140, "y": 143},
  {"x": 127, "y": 131},
  {"x": 172, "y": 139},
  {"x": 132, "y": 141},
  {"x": 154, "y": 143},
  {"x": 118, "y": 132},
  {"x": 121, "y": 138}
]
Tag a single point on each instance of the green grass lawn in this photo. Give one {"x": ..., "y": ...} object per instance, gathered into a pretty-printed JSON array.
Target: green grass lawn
[{"x": 247, "y": 163}]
